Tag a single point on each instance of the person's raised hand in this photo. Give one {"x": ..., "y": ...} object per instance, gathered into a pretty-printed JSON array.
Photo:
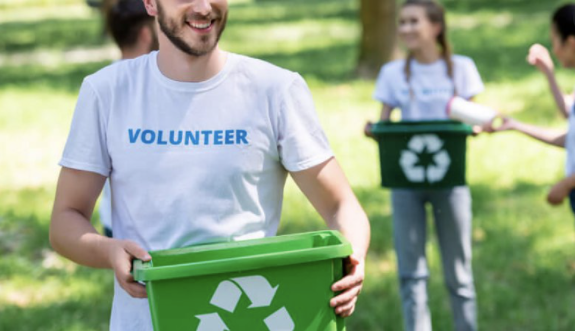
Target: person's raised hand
[
  {"x": 539, "y": 56},
  {"x": 121, "y": 254},
  {"x": 349, "y": 286}
]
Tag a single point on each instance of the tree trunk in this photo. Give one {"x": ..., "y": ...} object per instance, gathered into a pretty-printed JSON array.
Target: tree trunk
[{"x": 378, "y": 38}]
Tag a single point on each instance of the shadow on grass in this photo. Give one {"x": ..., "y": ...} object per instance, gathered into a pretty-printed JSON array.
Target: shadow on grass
[
  {"x": 50, "y": 34},
  {"x": 516, "y": 6},
  {"x": 519, "y": 286},
  {"x": 277, "y": 11},
  {"x": 82, "y": 314},
  {"x": 67, "y": 78}
]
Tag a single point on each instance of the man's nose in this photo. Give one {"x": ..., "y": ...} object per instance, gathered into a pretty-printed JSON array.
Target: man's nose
[{"x": 202, "y": 7}]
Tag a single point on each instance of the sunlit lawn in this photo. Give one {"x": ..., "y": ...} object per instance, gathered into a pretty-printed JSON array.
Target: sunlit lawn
[{"x": 524, "y": 259}]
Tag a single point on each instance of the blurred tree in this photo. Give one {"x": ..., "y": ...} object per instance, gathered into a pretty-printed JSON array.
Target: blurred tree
[{"x": 378, "y": 38}]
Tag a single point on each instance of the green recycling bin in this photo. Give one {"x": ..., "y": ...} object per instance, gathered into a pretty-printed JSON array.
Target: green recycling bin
[
  {"x": 277, "y": 283},
  {"x": 427, "y": 154}
]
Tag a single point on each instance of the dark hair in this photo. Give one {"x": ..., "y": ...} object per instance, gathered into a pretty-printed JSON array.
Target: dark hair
[
  {"x": 564, "y": 21},
  {"x": 124, "y": 19},
  {"x": 436, "y": 14}
]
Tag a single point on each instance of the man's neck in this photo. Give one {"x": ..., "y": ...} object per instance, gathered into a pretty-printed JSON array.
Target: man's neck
[{"x": 182, "y": 67}]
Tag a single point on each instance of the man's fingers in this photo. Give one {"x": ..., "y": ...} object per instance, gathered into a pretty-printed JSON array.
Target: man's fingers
[
  {"x": 347, "y": 282},
  {"x": 346, "y": 309},
  {"x": 136, "y": 251},
  {"x": 135, "y": 289},
  {"x": 345, "y": 297}
]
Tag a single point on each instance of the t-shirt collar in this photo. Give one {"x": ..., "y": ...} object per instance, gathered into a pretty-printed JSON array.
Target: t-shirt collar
[{"x": 191, "y": 86}]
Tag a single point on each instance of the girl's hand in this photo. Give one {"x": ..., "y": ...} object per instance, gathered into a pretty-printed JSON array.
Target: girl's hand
[
  {"x": 558, "y": 192},
  {"x": 539, "y": 56},
  {"x": 367, "y": 130},
  {"x": 507, "y": 124}
]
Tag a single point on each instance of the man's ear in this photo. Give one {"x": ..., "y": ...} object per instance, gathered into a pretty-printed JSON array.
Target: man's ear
[{"x": 151, "y": 7}]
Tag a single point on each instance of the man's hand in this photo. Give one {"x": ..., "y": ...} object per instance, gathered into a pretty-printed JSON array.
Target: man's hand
[
  {"x": 539, "y": 56},
  {"x": 350, "y": 286},
  {"x": 121, "y": 254}
]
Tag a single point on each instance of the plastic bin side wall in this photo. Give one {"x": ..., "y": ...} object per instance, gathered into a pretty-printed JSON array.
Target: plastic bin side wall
[
  {"x": 304, "y": 290},
  {"x": 392, "y": 176}
]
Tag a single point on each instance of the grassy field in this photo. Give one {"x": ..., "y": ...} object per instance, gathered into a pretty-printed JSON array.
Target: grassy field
[{"x": 524, "y": 260}]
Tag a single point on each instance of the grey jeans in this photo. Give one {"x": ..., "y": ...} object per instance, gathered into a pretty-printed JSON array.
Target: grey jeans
[{"x": 452, "y": 214}]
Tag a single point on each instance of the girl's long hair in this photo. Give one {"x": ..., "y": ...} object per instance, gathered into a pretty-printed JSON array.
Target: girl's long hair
[{"x": 436, "y": 14}]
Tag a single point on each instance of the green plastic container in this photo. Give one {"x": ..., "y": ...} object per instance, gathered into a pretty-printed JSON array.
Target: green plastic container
[
  {"x": 277, "y": 283},
  {"x": 422, "y": 155}
]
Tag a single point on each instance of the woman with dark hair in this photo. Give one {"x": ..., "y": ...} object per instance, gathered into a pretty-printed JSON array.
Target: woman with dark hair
[
  {"x": 563, "y": 42},
  {"x": 421, "y": 86}
]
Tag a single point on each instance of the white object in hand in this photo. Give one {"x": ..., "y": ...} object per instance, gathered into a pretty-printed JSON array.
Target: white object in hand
[{"x": 469, "y": 112}]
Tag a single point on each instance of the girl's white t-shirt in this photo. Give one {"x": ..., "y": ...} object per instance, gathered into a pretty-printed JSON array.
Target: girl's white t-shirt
[
  {"x": 430, "y": 84},
  {"x": 192, "y": 163}
]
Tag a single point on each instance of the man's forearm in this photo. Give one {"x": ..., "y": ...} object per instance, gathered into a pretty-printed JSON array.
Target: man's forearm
[
  {"x": 74, "y": 237},
  {"x": 352, "y": 222}
]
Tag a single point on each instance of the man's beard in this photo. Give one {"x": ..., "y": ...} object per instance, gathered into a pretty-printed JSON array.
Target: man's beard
[{"x": 171, "y": 30}]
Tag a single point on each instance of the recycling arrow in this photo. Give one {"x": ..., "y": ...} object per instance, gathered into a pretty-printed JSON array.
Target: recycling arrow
[
  {"x": 258, "y": 290},
  {"x": 226, "y": 296},
  {"x": 409, "y": 158},
  {"x": 211, "y": 322},
  {"x": 280, "y": 321}
]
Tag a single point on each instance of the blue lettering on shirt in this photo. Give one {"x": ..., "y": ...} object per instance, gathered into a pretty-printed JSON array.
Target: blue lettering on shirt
[
  {"x": 194, "y": 138},
  {"x": 148, "y": 137},
  {"x": 133, "y": 135}
]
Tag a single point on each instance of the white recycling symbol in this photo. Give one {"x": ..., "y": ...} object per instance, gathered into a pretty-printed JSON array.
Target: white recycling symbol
[
  {"x": 259, "y": 292},
  {"x": 409, "y": 159}
]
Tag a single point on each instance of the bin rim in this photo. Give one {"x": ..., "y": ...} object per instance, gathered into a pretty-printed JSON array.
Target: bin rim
[
  {"x": 385, "y": 127},
  {"x": 146, "y": 271}
]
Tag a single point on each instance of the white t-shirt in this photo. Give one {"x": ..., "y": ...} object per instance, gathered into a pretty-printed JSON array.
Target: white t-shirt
[
  {"x": 432, "y": 87},
  {"x": 192, "y": 162}
]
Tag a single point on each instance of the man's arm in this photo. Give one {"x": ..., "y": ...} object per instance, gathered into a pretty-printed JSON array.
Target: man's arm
[
  {"x": 73, "y": 236},
  {"x": 327, "y": 189}
]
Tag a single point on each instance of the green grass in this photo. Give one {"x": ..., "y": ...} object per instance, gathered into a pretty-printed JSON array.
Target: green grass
[{"x": 524, "y": 260}]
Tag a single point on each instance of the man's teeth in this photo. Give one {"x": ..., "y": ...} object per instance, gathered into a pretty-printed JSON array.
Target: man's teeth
[{"x": 201, "y": 25}]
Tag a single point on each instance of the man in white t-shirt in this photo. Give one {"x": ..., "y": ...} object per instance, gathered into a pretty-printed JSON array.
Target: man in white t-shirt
[{"x": 197, "y": 144}]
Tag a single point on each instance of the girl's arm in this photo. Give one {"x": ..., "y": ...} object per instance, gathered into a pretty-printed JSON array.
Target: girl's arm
[
  {"x": 385, "y": 112},
  {"x": 547, "y": 136},
  {"x": 539, "y": 57}
]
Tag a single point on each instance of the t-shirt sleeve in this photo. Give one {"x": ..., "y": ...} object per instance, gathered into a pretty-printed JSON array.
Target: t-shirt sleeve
[
  {"x": 384, "y": 87},
  {"x": 472, "y": 83},
  {"x": 86, "y": 147},
  {"x": 302, "y": 142}
]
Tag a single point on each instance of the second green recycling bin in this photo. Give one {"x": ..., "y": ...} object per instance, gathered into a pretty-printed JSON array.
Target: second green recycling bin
[
  {"x": 278, "y": 283},
  {"x": 429, "y": 154}
]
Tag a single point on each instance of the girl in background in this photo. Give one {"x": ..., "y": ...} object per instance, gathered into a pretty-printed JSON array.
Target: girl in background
[
  {"x": 421, "y": 86},
  {"x": 563, "y": 41}
]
